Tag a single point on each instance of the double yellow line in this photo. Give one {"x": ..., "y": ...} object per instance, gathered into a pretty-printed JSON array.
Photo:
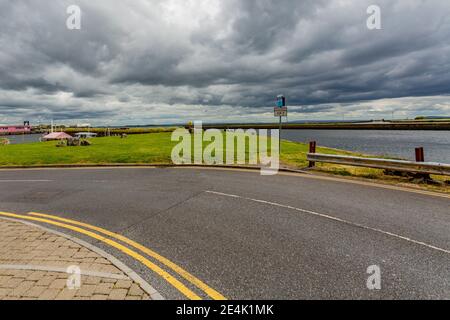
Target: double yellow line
[{"x": 75, "y": 226}]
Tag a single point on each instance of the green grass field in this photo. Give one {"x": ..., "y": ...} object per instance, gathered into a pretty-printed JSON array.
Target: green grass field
[
  {"x": 156, "y": 148},
  {"x": 145, "y": 148},
  {"x": 142, "y": 149}
]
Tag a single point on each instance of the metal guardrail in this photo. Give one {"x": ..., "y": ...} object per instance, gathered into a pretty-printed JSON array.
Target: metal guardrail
[{"x": 395, "y": 165}]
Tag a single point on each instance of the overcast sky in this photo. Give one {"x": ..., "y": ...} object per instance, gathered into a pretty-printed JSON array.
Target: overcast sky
[{"x": 171, "y": 61}]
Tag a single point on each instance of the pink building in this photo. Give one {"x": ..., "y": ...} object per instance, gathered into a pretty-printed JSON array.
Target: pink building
[{"x": 4, "y": 130}]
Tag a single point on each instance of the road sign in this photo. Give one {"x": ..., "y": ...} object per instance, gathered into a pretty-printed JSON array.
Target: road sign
[
  {"x": 281, "y": 101},
  {"x": 280, "y": 112}
]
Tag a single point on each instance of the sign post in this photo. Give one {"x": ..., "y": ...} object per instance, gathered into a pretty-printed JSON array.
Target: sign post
[{"x": 280, "y": 111}]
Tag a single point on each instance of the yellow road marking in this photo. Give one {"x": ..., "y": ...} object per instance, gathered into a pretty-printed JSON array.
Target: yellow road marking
[
  {"x": 192, "y": 279},
  {"x": 169, "y": 278}
]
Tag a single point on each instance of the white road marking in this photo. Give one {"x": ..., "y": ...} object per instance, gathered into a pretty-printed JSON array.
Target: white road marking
[
  {"x": 26, "y": 180},
  {"x": 332, "y": 218}
]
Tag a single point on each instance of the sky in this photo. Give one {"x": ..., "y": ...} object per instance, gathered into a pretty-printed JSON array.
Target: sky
[{"x": 174, "y": 61}]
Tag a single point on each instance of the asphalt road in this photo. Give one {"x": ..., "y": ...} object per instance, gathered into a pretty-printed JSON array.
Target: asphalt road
[{"x": 255, "y": 237}]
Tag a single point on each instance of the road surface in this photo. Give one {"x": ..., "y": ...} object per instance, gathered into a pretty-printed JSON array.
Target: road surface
[{"x": 247, "y": 236}]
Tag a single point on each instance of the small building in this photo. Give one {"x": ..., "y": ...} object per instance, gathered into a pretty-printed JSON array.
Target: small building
[
  {"x": 85, "y": 135},
  {"x": 20, "y": 129}
]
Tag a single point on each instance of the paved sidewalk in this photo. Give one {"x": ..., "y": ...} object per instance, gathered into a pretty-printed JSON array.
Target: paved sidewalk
[{"x": 34, "y": 262}]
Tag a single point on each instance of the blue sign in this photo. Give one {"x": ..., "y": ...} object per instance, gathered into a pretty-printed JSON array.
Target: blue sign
[{"x": 281, "y": 101}]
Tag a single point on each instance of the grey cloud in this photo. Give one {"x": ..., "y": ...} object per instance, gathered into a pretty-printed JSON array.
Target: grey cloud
[{"x": 132, "y": 56}]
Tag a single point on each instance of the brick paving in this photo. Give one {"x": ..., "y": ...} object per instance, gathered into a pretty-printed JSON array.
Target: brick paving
[{"x": 33, "y": 265}]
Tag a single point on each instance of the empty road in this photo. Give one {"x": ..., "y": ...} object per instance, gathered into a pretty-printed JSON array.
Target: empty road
[{"x": 239, "y": 235}]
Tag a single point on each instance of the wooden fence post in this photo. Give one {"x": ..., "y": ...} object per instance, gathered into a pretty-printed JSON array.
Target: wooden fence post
[
  {"x": 312, "y": 149},
  {"x": 420, "y": 155}
]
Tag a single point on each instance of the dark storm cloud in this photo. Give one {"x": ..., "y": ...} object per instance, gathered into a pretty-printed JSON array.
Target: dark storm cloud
[
  {"x": 174, "y": 57},
  {"x": 48, "y": 111}
]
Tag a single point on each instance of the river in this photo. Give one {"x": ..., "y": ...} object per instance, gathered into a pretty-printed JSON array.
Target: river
[
  {"x": 394, "y": 143},
  {"x": 23, "y": 138}
]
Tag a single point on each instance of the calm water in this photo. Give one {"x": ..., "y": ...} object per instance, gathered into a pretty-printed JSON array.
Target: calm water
[
  {"x": 400, "y": 144},
  {"x": 23, "y": 138}
]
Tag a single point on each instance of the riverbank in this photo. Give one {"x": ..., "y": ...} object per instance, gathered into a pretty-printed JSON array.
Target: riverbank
[
  {"x": 394, "y": 144},
  {"x": 156, "y": 148},
  {"x": 420, "y": 125}
]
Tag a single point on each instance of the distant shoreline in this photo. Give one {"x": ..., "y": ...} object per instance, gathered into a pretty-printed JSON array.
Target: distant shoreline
[
  {"x": 387, "y": 125},
  {"x": 341, "y": 126}
]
